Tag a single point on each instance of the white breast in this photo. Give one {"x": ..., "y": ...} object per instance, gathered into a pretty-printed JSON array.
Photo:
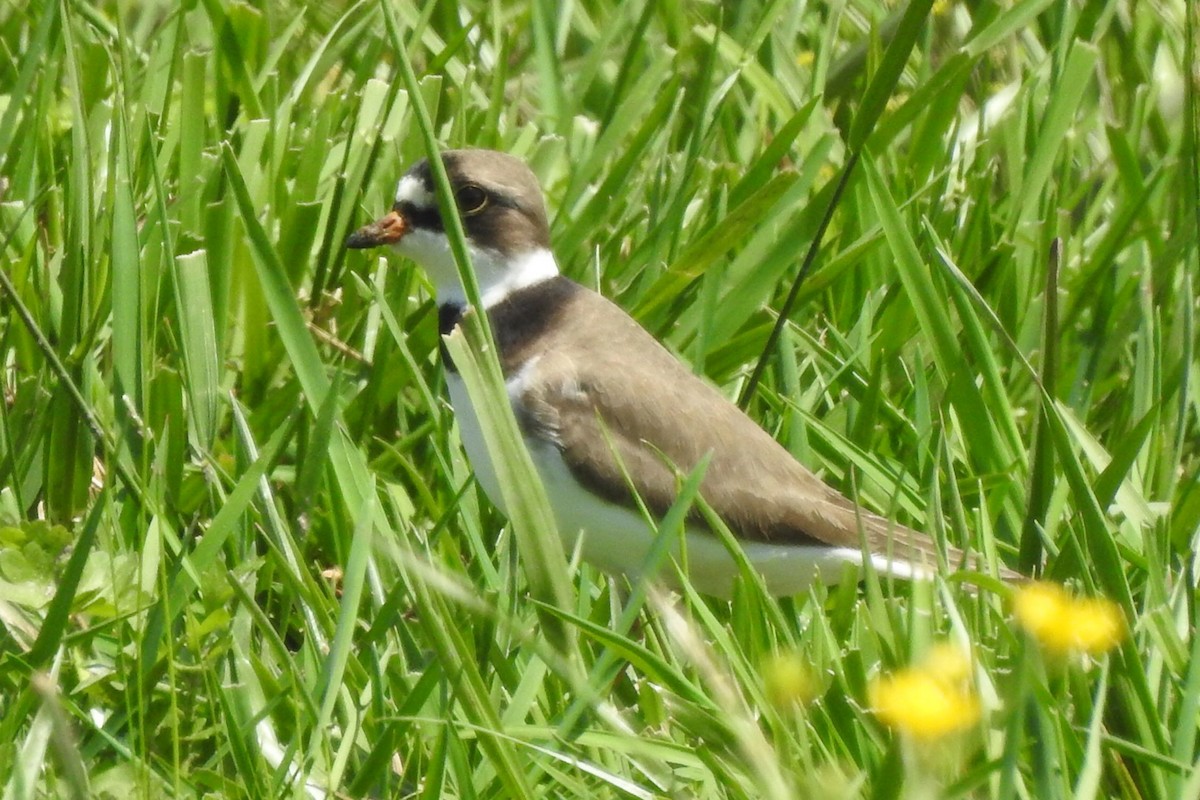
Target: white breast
[{"x": 618, "y": 540}]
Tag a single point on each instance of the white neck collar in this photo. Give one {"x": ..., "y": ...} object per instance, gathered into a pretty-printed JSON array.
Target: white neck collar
[{"x": 498, "y": 276}]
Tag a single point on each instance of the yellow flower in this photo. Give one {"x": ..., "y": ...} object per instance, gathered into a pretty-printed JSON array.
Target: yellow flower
[
  {"x": 805, "y": 58},
  {"x": 929, "y": 701},
  {"x": 789, "y": 680},
  {"x": 1063, "y": 624},
  {"x": 922, "y": 705},
  {"x": 948, "y": 662}
]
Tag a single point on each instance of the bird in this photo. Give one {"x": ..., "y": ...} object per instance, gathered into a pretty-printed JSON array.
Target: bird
[{"x": 610, "y": 416}]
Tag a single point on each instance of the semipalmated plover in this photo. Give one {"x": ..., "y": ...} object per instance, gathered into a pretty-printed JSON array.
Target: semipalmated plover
[{"x": 607, "y": 411}]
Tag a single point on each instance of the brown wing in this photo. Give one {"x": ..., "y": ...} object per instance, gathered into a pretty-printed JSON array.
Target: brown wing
[{"x": 585, "y": 391}]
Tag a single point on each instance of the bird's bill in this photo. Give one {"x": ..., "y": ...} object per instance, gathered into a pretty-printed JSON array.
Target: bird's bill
[{"x": 387, "y": 230}]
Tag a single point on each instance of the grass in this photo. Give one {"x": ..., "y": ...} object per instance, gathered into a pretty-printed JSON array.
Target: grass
[{"x": 945, "y": 253}]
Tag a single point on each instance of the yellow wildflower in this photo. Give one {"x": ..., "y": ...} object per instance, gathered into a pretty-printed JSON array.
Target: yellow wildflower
[
  {"x": 805, "y": 58},
  {"x": 789, "y": 680},
  {"x": 1063, "y": 624},
  {"x": 922, "y": 705},
  {"x": 948, "y": 662},
  {"x": 929, "y": 701}
]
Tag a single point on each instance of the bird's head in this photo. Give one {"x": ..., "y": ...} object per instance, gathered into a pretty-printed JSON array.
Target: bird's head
[{"x": 503, "y": 214}]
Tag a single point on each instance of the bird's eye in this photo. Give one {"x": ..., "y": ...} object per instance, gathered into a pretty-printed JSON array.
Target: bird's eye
[{"x": 471, "y": 199}]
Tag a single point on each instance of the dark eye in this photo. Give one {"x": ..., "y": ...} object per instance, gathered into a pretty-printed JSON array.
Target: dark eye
[{"x": 471, "y": 199}]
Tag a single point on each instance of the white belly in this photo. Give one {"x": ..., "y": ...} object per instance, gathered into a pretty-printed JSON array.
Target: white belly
[{"x": 618, "y": 540}]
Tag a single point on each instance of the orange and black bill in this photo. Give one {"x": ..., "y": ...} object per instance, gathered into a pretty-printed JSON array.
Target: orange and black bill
[{"x": 391, "y": 228}]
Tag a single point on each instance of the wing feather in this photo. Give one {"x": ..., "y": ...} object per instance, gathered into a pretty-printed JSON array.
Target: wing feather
[{"x": 581, "y": 390}]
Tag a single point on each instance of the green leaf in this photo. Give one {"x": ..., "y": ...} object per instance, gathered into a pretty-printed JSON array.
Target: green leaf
[{"x": 887, "y": 74}]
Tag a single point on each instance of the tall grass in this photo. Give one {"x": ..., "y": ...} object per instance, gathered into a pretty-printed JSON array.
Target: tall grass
[{"x": 241, "y": 552}]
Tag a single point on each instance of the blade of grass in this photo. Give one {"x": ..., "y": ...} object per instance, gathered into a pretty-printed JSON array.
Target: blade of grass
[{"x": 525, "y": 497}]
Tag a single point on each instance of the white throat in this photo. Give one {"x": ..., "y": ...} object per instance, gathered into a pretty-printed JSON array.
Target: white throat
[{"x": 498, "y": 275}]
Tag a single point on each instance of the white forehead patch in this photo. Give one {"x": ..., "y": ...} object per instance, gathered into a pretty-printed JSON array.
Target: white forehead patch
[{"x": 412, "y": 190}]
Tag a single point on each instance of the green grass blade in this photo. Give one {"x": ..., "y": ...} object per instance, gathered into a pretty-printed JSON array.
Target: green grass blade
[
  {"x": 199, "y": 341},
  {"x": 537, "y": 539},
  {"x": 887, "y": 74}
]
